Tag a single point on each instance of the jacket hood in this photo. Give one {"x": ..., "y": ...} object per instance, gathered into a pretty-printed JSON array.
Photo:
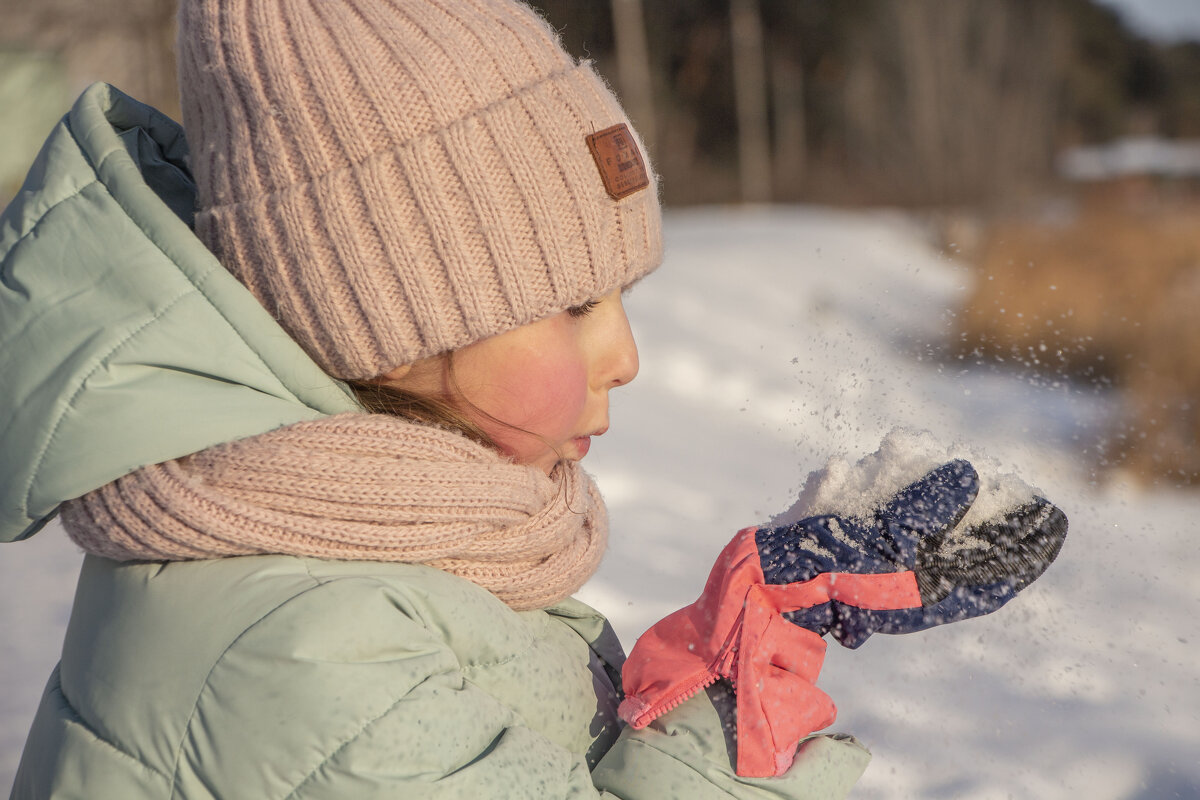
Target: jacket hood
[{"x": 123, "y": 341}]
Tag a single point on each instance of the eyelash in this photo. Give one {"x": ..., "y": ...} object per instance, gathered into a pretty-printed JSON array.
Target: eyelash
[{"x": 583, "y": 309}]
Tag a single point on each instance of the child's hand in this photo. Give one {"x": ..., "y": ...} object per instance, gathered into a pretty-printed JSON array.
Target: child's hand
[
  {"x": 911, "y": 548},
  {"x": 774, "y": 592}
]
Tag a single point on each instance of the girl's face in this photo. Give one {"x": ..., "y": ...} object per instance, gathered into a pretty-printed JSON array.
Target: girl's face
[{"x": 539, "y": 391}]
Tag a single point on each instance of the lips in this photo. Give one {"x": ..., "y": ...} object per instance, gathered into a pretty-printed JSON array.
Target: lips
[{"x": 582, "y": 445}]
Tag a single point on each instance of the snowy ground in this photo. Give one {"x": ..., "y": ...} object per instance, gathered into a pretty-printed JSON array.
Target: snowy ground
[{"x": 771, "y": 341}]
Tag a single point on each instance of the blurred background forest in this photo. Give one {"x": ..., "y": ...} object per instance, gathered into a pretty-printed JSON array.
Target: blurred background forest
[{"x": 1048, "y": 145}]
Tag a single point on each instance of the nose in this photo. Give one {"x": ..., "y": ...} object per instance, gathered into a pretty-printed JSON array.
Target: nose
[{"x": 620, "y": 364}]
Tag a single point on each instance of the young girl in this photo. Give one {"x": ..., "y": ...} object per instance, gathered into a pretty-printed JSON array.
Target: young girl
[{"x": 424, "y": 210}]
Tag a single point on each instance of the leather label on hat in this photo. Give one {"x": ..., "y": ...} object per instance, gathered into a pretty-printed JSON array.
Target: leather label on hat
[{"x": 619, "y": 161}]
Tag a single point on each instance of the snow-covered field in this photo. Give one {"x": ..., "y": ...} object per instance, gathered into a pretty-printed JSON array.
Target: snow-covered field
[{"x": 772, "y": 340}]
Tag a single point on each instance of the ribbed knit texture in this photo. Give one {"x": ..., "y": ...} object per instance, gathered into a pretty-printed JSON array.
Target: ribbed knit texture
[
  {"x": 397, "y": 178},
  {"x": 359, "y": 487}
]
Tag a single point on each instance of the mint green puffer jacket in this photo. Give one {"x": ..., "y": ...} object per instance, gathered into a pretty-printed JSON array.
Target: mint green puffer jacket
[{"x": 123, "y": 343}]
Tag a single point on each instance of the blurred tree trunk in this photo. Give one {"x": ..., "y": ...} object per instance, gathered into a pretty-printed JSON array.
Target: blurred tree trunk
[
  {"x": 952, "y": 102},
  {"x": 633, "y": 67},
  {"x": 791, "y": 141},
  {"x": 750, "y": 97}
]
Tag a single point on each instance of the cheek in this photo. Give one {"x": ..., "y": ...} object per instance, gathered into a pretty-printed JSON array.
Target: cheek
[
  {"x": 546, "y": 395},
  {"x": 542, "y": 391}
]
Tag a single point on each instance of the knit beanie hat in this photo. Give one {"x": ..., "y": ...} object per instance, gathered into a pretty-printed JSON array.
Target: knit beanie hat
[{"x": 397, "y": 178}]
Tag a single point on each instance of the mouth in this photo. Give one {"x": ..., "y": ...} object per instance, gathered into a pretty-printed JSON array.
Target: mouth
[{"x": 582, "y": 445}]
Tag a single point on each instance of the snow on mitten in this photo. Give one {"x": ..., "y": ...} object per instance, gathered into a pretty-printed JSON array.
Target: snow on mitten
[
  {"x": 953, "y": 574},
  {"x": 774, "y": 591}
]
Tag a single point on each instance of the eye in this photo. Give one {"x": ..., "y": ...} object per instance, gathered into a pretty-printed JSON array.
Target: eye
[{"x": 583, "y": 309}]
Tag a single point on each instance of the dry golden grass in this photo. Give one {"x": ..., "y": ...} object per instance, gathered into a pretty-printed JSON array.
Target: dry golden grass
[{"x": 1112, "y": 294}]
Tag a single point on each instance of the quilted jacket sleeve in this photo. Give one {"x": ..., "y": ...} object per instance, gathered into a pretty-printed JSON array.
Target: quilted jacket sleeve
[
  {"x": 470, "y": 747},
  {"x": 688, "y": 753},
  {"x": 268, "y": 678},
  {"x": 351, "y": 690},
  {"x": 370, "y": 702}
]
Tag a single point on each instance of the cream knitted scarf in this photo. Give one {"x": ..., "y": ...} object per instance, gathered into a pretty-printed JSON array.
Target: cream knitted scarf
[{"x": 365, "y": 487}]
